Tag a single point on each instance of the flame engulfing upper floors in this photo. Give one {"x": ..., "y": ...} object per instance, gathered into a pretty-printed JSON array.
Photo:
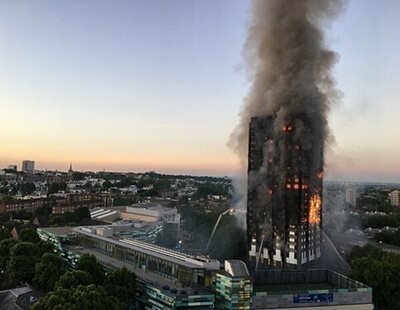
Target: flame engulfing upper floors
[{"x": 284, "y": 213}]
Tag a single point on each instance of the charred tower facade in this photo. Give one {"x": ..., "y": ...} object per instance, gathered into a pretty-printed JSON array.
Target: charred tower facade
[{"x": 284, "y": 215}]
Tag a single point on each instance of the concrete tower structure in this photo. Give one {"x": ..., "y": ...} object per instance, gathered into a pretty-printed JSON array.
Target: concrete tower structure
[
  {"x": 284, "y": 213},
  {"x": 28, "y": 165}
]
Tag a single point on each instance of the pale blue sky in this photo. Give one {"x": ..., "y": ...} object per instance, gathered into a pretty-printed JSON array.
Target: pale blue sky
[{"x": 154, "y": 84}]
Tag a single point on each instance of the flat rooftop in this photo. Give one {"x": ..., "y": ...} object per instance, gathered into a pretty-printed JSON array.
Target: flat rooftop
[
  {"x": 303, "y": 281},
  {"x": 59, "y": 231},
  {"x": 156, "y": 251},
  {"x": 292, "y": 288}
]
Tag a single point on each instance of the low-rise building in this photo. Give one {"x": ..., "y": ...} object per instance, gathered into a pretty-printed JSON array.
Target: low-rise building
[
  {"x": 168, "y": 279},
  {"x": 71, "y": 202},
  {"x": 17, "y": 205}
]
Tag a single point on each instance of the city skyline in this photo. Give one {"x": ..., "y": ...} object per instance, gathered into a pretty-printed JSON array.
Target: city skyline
[{"x": 143, "y": 86}]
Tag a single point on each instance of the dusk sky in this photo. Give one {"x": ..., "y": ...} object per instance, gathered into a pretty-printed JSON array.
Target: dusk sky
[{"x": 144, "y": 85}]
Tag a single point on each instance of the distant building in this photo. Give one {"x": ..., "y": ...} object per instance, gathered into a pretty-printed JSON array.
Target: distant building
[
  {"x": 28, "y": 165},
  {"x": 74, "y": 201},
  {"x": 151, "y": 213},
  {"x": 395, "y": 198},
  {"x": 12, "y": 167},
  {"x": 17, "y": 205},
  {"x": 351, "y": 196}
]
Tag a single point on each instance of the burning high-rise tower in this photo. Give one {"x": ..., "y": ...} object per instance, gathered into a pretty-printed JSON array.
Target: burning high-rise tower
[
  {"x": 284, "y": 193},
  {"x": 283, "y": 128}
]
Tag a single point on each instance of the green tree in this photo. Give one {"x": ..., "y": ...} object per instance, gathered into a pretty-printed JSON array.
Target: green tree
[
  {"x": 106, "y": 184},
  {"x": 4, "y": 234},
  {"x": 5, "y": 249},
  {"x": 43, "y": 212},
  {"x": 78, "y": 176},
  {"x": 55, "y": 187},
  {"x": 203, "y": 190},
  {"x": 90, "y": 264},
  {"x": 23, "y": 258},
  {"x": 48, "y": 271},
  {"x": 389, "y": 237},
  {"x": 27, "y": 188},
  {"x": 121, "y": 284},
  {"x": 381, "y": 271},
  {"x": 65, "y": 219},
  {"x": 29, "y": 235},
  {"x": 162, "y": 184},
  {"x": 81, "y": 298},
  {"x": 7, "y": 198},
  {"x": 380, "y": 221},
  {"x": 73, "y": 279},
  {"x": 367, "y": 250},
  {"x": 83, "y": 213},
  {"x": 45, "y": 247}
]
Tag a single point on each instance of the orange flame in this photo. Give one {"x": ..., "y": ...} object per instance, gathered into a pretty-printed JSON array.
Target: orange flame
[{"x": 315, "y": 208}]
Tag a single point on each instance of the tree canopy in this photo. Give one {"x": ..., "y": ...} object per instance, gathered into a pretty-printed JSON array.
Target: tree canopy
[
  {"x": 121, "y": 284},
  {"x": 29, "y": 235},
  {"x": 27, "y": 188},
  {"x": 80, "y": 298},
  {"x": 55, "y": 187},
  {"x": 48, "y": 271},
  {"x": 90, "y": 264},
  {"x": 4, "y": 234},
  {"x": 23, "y": 258},
  {"x": 5, "y": 249},
  {"x": 73, "y": 279},
  {"x": 379, "y": 270}
]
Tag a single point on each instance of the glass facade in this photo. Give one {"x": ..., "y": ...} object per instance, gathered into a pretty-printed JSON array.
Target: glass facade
[
  {"x": 138, "y": 259},
  {"x": 232, "y": 292},
  {"x": 154, "y": 298}
]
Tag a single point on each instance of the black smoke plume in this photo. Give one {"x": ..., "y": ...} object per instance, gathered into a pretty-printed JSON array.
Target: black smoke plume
[{"x": 289, "y": 66}]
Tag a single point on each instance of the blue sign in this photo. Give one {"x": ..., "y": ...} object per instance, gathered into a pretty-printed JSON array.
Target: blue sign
[{"x": 312, "y": 298}]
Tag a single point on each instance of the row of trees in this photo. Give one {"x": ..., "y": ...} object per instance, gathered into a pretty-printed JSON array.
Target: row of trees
[
  {"x": 18, "y": 258},
  {"x": 87, "y": 287},
  {"x": 25, "y": 188},
  {"x": 205, "y": 189},
  {"x": 380, "y": 221},
  {"x": 33, "y": 261},
  {"x": 389, "y": 237},
  {"x": 70, "y": 218},
  {"x": 379, "y": 270}
]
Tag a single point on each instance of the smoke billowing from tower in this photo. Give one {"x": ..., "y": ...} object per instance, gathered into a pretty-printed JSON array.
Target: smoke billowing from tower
[{"x": 291, "y": 93}]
